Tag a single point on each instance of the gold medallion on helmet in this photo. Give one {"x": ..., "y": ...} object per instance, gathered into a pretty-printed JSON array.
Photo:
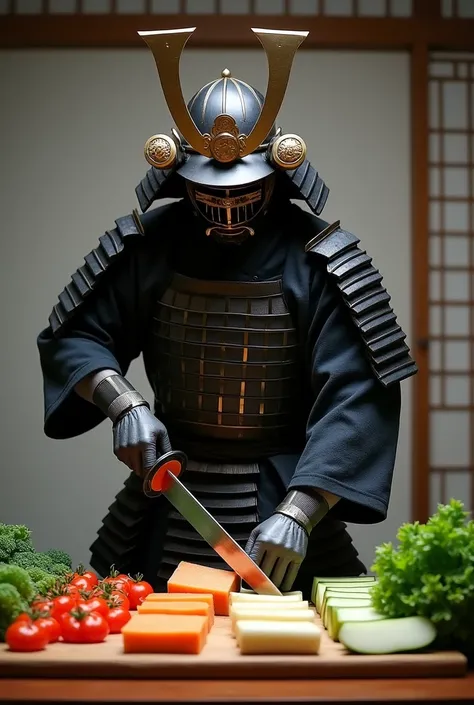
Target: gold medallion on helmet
[
  {"x": 160, "y": 151},
  {"x": 288, "y": 151},
  {"x": 225, "y": 142},
  {"x": 225, "y": 147}
]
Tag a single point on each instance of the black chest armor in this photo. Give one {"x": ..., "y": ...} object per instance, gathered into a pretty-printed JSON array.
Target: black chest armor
[{"x": 222, "y": 358}]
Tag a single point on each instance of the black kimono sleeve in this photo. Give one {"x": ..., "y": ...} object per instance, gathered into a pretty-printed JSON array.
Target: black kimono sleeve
[
  {"x": 107, "y": 332},
  {"x": 353, "y": 422}
]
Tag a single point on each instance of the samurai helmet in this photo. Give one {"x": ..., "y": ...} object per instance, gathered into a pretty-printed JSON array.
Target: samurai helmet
[{"x": 225, "y": 143}]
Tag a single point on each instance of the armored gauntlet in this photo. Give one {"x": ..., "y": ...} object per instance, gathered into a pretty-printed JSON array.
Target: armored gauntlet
[
  {"x": 139, "y": 437},
  {"x": 279, "y": 544}
]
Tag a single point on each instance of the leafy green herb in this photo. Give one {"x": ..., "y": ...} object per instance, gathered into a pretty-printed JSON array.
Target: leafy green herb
[{"x": 431, "y": 574}]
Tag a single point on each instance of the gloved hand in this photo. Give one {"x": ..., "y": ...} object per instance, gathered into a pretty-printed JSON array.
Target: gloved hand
[
  {"x": 278, "y": 546},
  {"x": 139, "y": 439}
]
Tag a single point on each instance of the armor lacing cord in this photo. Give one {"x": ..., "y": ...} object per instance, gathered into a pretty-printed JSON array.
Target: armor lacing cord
[
  {"x": 306, "y": 508},
  {"x": 115, "y": 396}
]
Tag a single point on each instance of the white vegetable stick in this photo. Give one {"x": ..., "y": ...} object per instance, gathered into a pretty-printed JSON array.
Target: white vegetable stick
[
  {"x": 260, "y": 607},
  {"x": 259, "y": 637},
  {"x": 273, "y": 615},
  {"x": 246, "y": 591},
  {"x": 253, "y": 597}
]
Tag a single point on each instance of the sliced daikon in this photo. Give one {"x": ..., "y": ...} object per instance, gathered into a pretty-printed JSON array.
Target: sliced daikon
[
  {"x": 253, "y": 597},
  {"x": 269, "y": 606},
  {"x": 269, "y": 609},
  {"x": 388, "y": 636},
  {"x": 260, "y": 637},
  {"x": 275, "y": 614},
  {"x": 334, "y": 602},
  {"x": 282, "y": 616},
  {"x": 340, "y": 615},
  {"x": 246, "y": 591}
]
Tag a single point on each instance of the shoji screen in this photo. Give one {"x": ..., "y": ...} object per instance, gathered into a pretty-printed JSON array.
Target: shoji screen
[{"x": 451, "y": 156}]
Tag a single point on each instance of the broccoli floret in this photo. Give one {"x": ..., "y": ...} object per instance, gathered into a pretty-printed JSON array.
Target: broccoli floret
[
  {"x": 18, "y": 577},
  {"x": 20, "y": 532},
  {"x": 59, "y": 569},
  {"x": 45, "y": 585},
  {"x": 59, "y": 556},
  {"x": 24, "y": 546},
  {"x": 24, "y": 559},
  {"x": 43, "y": 581},
  {"x": 41, "y": 561},
  {"x": 14, "y": 538},
  {"x": 33, "y": 560},
  {"x": 36, "y": 574},
  {"x": 7, "y": 547},
  {"x": 11, "y": 605}
]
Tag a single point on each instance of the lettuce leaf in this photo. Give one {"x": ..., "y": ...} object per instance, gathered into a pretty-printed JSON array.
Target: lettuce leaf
[{"x": 431, "y": 574}]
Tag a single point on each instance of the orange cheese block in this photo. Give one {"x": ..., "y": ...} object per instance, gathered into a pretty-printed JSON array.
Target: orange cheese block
[
  {"x": 170, "y": 607},
  {"x": 206, "y": 598},
  {"x": 165, "y": 634},
  {"x": 190, "y": 577}
]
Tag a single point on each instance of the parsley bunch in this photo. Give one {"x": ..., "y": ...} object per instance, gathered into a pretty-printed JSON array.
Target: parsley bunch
[{"x": 431, "y": 574}]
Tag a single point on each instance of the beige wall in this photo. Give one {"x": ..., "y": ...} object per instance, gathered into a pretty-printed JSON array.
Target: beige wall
[{"x": 73, "y": 127}]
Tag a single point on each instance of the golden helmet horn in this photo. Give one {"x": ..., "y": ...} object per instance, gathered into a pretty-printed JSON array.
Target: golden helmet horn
[{"x": 167, "y": 46}]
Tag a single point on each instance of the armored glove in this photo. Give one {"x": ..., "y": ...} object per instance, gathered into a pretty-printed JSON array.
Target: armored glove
[
  {"x": 139, "y": 437},
  {"x": 279, "y": 544}
]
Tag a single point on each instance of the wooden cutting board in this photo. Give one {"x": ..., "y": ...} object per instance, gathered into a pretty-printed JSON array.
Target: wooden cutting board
[{"x": 221, "y": 659}]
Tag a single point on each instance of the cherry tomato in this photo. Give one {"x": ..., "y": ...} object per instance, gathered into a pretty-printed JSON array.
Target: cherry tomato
[
  {"x": 81, "y": 583},
  {"x": 61, "y": 604},
  {"x": 108, "y": 590},
  {"x": 118, "y": 584},
  {"x": 24, "y": 636},
  {"x": 52, "y": 627},
  {"x": 91, "y": 577},
  {"x": 119, "y": 580},
  {"x": 42, "y": 605},
  {"x": 24, "y": 617},
  {"x": 126, "y": 580},
  {"x": 125, "y": 577},
  {"x": 117, "y": 618},
  {"x": 94, "y": 604},
  {"x": 139, "y": 589},
  {"x": 119, "y": 599},
  {"x": 82, "y": 627}
]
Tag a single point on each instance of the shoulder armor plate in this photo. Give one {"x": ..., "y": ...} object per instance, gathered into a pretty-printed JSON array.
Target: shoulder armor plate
[
  {"x": 309, "y": 186},
  {"x": 151, "y": 184},
  {"x": 85, "y": 279},
  {"x": 360, "y": 285}
]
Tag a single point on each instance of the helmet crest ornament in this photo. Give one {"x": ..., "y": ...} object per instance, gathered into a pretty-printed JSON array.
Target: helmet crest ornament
[{"x": 225, "y": 143}]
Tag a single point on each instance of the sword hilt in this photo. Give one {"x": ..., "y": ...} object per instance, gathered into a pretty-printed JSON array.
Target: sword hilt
[{"x": 156, "y": 481}]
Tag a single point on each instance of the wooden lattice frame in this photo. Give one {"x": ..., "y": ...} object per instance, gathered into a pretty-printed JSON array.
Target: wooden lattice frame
[
  {"x": 424, "y": 31},
  {"x": 448, "y": 329}
]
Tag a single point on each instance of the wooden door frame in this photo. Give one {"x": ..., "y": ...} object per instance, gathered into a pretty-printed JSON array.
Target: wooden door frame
[{"x": 425, "y": 31}]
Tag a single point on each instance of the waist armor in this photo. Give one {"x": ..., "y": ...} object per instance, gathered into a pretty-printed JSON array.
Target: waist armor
[{"x": 222, "y": 359}]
